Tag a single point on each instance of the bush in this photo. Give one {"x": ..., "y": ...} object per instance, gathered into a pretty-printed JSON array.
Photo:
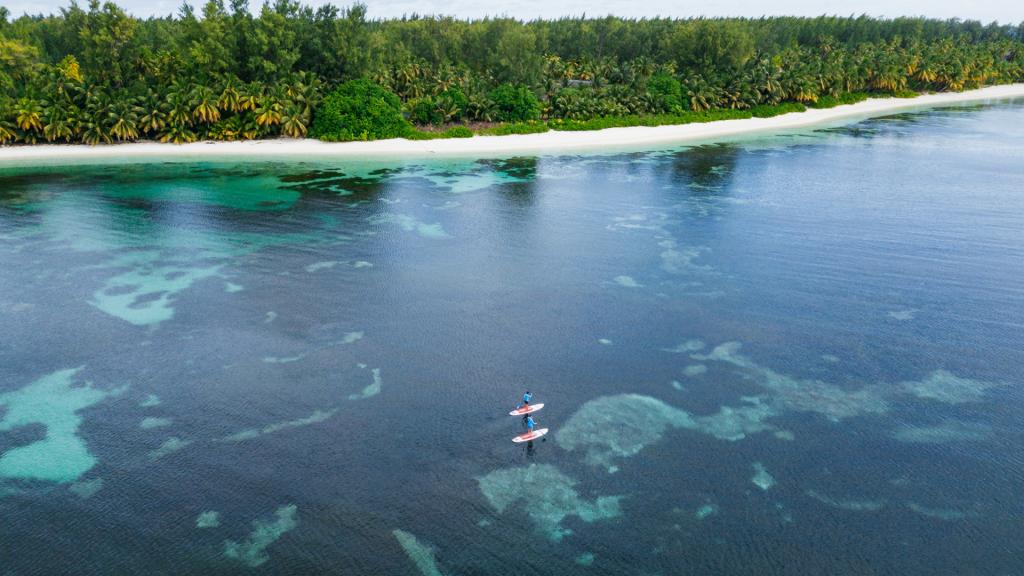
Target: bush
[
  {"x": 448, "y": 106},
  {"x": 453, "y": 132},
  {"x": 684, "y": 117},
  {"x": 767, "y": 111},
  {"x": 423, "y": 111},
  {"x": 454, "y": 101},
  {"x": 666, "y": 91},
  {"x": 516, "y": 128},
  {"x": 359, "y": 110},
  {"x": 583, "y": 103},
  {"x": 515, "y": 103},
  {"x": 845, "y": 98},
  {"x": 458, "y": 132}
]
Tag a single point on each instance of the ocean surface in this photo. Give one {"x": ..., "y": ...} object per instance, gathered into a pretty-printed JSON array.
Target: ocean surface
[{"x": 789, "y": 355}]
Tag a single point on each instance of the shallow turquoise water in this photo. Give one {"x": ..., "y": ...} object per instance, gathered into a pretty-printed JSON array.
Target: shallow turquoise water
[{"x": 791, "y": 355}]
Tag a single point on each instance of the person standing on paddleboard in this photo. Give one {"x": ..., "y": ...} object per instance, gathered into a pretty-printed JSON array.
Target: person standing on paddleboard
[
  {"x": 526, "y": 399},
  {"x": 530, "y": 424},
  {"x": 525, "y": 406}
]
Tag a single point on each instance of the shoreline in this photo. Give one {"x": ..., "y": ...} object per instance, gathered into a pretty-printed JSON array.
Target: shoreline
[{"x": 546, "y": 143}]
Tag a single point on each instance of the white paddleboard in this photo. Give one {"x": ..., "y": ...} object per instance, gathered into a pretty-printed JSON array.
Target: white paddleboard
[
  {"x": 530, "y": 436},
  {"x": 526, "y": 410}
]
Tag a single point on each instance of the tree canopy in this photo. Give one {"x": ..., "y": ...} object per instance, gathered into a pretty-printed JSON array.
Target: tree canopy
[{"x": 96, "y": 74}]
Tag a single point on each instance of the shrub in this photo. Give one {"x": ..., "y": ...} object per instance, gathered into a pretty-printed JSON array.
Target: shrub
[
  {"x": 516, "y": 128},
  {"x": 359, "y": 110},
  {"x": 453, "y": 132},
  {"x": 453, "y": 102},
  {"x": 458, "y": 132},
  {"x": 683, "y": 117},
  {"x": 767, "y": 111},
  {"x": 448, "y": 106},
  {"x": 515, "y": 103},
  {"x": 666, "y": 91},
  {"x": 422, "y": 135},
  {"x": 844, "y": 98},
  {"x": 853, "y": 97},
  {"x": 423, "y": 111},
  {"x": 583, "y": 103}
]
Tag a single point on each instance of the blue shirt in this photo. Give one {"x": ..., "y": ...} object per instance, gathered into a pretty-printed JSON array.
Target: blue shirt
[
  {"x": 526, "y": 398},
  {"x": 530, "y": 423}
]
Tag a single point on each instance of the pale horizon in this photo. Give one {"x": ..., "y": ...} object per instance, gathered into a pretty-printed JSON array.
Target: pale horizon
[{"x": 986, "y": 12}]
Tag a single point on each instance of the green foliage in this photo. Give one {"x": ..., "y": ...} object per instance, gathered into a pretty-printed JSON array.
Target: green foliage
[
  {"x": 683, "y": 117},
  {"x": 273, "y": 43},
  {"x": 828, "y": 101},
  {"x": 453, "y": 132},
  {"x": 515, "y": 103},
  {"x": 515, "y": 57},
  {"x": 767, "y": 111},
  {"x": 448, "y": 106},
  {"x": 423, "y": 111},
  {"x": 452, "y": 104},
  {"x": 359, "y": 110},
  {"x": 16, "y": 63},
  {"x": 95, "y": 74},
  {"x": 515, "y": 128},
  {"x": 582, "y": 103},
  {"x": 458, "y": 132},
  {"x": 666, "y": 91},
  {"x": 106, "y": 35},
  {"x": 720, "y": 44}
]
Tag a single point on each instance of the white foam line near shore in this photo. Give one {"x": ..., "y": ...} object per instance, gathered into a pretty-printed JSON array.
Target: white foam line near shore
[{"x": 552, "y": 142}]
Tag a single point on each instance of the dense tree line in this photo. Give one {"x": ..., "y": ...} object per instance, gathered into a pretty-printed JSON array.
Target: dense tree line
[{"x": 96, "y": 74}]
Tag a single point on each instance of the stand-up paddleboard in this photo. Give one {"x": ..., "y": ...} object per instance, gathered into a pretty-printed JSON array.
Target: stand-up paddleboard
[
  {"x": 530, "y": 435},
  {"x": 526, "y": 410}
]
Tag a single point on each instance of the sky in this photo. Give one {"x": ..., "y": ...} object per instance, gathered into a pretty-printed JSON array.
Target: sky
[{"x": 1004, "y": 11}]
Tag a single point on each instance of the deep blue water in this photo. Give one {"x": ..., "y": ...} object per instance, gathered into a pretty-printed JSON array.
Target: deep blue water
[{"x": 792, "y": 355}]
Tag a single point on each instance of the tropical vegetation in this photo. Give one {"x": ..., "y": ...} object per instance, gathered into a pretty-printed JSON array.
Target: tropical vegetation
[{"x": 95, "y": 74}]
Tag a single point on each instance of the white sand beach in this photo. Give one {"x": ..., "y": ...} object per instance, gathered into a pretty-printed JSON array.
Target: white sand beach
[{"x": 552, "y": 142}]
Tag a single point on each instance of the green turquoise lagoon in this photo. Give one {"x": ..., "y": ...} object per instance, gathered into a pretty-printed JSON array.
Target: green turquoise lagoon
[{"x": 782, "y": 355}]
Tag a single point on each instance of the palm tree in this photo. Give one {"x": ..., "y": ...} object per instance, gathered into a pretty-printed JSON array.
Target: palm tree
[
  {"x": 766, "y": 79},
  {"x": 227, "y": 130},
  {"x": 249, "y": 99},
  {"x": 61, "y": 123},
  {"x": 177, "y": 134},
  {"x": 178, "y": 109},
  {"x": 65, "y": 79},
  {"x": 29, "y": 115},
  {"x": 152, "y": 119},
  {"x": 123, "y": 120},
  {"x": 800, "y": 86},
  {"x": 303, "y": 90},
  {"x": 269, "y": 112},
  {"x": 204, "y": 105},
  {"x": 294, "y": 122},
  {"x": 8, "y": 131},
  {"x": 701, "y": 95},
  {"x": 230, "y": 99},
  {"x": 93, "y": 130},
  {"x": 739, "y": 94},
  {"x": 445, "y": 78},
  {"x": 553, "y": 73},
  {"x": 448, "y": 110},
  {"x": 480, "y": 107},
  {"x": 250, "y": 129},
  {"x": 384, "y": 77},
  {"x": 410, "y": 80}
]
